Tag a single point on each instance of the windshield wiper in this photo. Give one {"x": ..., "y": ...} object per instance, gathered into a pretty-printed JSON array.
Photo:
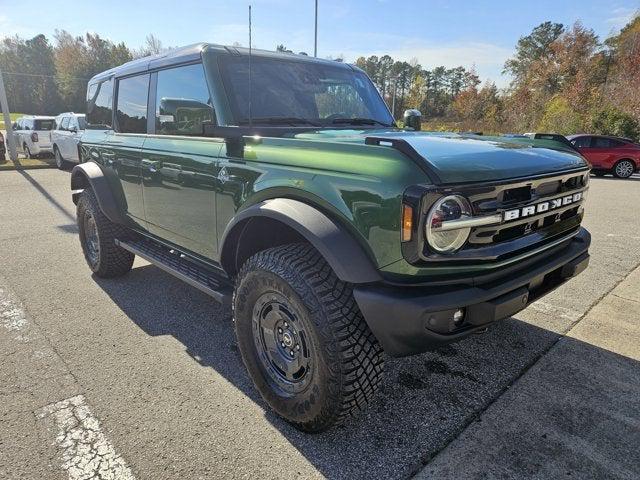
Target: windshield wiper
[
  {"x": 359, "y": 121},
  {"x": 279, "y": 121}
]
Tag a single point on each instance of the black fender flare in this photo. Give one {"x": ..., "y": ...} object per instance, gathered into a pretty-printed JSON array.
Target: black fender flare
[
  {"x": 336, "y": 244},
  {"x": 89, "y": 174}
]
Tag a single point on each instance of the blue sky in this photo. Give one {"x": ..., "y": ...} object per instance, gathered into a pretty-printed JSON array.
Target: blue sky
[{"x": 435, "y": 32}]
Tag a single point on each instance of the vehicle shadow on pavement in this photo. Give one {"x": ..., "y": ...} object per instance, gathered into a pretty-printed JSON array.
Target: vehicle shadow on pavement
[{"x": 424, "y": 403}]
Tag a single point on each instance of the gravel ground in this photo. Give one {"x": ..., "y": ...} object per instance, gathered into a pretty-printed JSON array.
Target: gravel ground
[{"x": 156, "y": 361}]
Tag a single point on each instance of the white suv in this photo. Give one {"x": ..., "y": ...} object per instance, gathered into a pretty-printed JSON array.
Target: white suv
[
  {"x": 33, "y": 135},
  {"x": 65, "y": 137}
]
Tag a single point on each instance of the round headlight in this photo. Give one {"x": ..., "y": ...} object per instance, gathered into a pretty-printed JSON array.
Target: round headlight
[{"x": 446, "y": 239}]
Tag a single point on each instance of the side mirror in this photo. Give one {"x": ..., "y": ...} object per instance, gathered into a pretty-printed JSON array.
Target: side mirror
[{"x": 412, "y": 119}]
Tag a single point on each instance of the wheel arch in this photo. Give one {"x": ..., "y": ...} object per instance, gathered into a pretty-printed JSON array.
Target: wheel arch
[
  {"x": 278, "y": 221},
  {"x": 90, "y": 175}
]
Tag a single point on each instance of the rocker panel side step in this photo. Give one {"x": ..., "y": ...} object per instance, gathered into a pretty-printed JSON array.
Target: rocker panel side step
[{"x": 180, "y": 266}]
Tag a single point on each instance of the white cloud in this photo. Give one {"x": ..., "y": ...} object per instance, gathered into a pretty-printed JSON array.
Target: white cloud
[{"x": 621, "y": 16}]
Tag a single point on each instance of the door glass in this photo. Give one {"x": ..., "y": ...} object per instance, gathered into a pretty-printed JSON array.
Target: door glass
[
  {"x": 131, "y": 111},
  {"x": 65, "y": 124},
  {"x": 183, "y": 103},
  {"x": 582, "y": 142},
  {"x": 600, "y": 142},
  {"x": 99, "y": 101}
]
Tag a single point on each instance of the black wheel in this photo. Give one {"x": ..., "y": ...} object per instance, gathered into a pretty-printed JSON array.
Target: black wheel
[
  {"x": 60, "y": 162},
  {"x": 97, "y": 237},
  {"x": 303, "y": 339},
  {"x": 599, "y": 173},
  {"x": 27, "y": 152},
  {"x": 624, "y": 169}
]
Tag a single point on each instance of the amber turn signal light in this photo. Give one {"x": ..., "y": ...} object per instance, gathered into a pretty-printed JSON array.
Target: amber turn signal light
[{"x": 407, "y": 222}]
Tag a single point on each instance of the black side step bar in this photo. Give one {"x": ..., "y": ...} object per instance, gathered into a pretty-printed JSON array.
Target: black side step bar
[{"x": 181, "y": 266}]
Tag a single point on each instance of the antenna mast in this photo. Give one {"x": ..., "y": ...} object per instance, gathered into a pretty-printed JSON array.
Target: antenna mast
[{"x": 250, "y": 73}]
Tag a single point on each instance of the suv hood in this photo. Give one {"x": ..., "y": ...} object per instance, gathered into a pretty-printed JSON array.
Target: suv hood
[{"x": 457, "y": 158}]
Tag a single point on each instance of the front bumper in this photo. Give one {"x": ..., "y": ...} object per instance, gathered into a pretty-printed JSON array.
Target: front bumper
[{"x": 412, "y": 320}]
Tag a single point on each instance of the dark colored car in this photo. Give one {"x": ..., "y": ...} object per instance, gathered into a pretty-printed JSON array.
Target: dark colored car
[
  {"x": 287, "y": 192},
  {"x": 607, "y": 154}
]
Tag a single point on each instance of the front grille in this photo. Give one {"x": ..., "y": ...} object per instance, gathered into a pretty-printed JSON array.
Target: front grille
[
  {"x": 509, "y": 238},
  {"x": 508, "y": 197}
]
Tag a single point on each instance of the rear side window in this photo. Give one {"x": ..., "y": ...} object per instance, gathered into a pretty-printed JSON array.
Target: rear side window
[
  {"x": 131, "y": 110},
  {"x": 99, "y": 101},
  {"x": 582, "y": 142},
  {"x": 183, "y": 103}
]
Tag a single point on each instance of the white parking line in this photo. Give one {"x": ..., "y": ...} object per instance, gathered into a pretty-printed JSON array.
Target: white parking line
[
  {"x": 86, "y": 451},
  {"x": 12, "y": 316}
]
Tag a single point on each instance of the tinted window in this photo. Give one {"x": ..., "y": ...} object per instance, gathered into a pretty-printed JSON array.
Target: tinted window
[
  {"x": 616, "y": 143},
  {"x": 131, "y": 111},
  {"x": 319, "y": 92},
  {"x": 183, "y": 102},
  {"x": 65, "y": 124},
  {"x": 599, "y": 142},
  {"x": 99, "y": 101},
  {"x": 82, "y": 124},
  {"x": 44, "y": 124},
  {"x": 582, "y": 142}
]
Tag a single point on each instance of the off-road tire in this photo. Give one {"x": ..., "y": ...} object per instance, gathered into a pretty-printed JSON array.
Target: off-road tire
[
  {"x": 111, "y": 260},
  {"x": 620, "y": 171},
  {"x": 347, "y": 360}
]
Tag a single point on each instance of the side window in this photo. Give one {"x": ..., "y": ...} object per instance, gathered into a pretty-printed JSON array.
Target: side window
[
  {"x": 616, "y": 143},
  {"x": 582, "y": 142},
  {"x": 183, "y": 102},
  {"x": 131, "y": 110},
  {"x": 65, "y": 124},
  {"x": 599, "y": 142},
  {"x": 99, "y": 101}
]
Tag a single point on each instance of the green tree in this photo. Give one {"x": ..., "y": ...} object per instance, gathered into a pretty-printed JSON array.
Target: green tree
[
  {"x": 29, "y": 74},
  {"x": 532, "y": 48}
]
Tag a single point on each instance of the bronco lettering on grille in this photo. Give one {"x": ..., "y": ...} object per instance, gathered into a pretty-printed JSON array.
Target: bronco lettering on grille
[{"x": 541, "y": 207}]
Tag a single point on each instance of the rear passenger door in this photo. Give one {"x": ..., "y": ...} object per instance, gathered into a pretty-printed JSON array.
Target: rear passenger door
[
  {"x": 180, "y": 165},
  {"x": 122, "y": 148}
]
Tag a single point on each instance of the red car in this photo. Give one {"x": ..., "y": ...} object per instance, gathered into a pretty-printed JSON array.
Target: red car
[{"x": 619, "y": 156}]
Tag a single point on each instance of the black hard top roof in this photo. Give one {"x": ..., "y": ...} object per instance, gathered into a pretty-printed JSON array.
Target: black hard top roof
[{"x": 192, "y": 53}]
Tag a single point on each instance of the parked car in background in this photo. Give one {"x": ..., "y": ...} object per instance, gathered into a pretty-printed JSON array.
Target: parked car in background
[
  {"x": 619, "y": 156},
  {"x": 3, "y": 148},
  {"x": 65, "y": 137},
  {"x": 33, "y": 135}
]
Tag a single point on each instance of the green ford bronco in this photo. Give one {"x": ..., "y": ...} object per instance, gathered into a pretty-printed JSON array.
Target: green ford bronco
[{"x": 280, "y": 185}]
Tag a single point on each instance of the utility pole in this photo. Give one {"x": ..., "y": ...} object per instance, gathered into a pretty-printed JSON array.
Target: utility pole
[
  {"x": 315, "y": 40},
  {"x": 13, "y": 154}
]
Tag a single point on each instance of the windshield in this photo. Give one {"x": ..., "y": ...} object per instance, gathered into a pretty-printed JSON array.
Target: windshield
[{"x": 300, "y": 92}]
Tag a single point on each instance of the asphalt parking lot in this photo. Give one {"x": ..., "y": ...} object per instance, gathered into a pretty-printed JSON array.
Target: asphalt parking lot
[{"x": 143, "y": 372}]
